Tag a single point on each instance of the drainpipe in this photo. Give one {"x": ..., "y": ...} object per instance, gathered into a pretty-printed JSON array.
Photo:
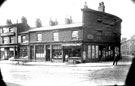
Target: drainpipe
[{"x": 17, "y": 56}]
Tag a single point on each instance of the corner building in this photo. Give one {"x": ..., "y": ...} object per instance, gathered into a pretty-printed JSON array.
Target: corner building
[{"x": 96, "y": 38}]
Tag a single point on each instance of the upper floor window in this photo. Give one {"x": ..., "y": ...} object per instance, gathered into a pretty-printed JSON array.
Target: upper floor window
[
  {"x": 11, "y": 29},
  {"x": 12, "y": 39},
  {"x": 5, "y": 30},
  {"x": 5, "y": 40},
  {"x": 1, "y": 30},
  {"x": 19, "y": 39},
  {"x": 75, "y": 35},
  {"x": 39, "y": 37},
  {"x": 23, "y": 39},
  {"x": 56, "y": 36},
  {"x": 99, "y": 34}
]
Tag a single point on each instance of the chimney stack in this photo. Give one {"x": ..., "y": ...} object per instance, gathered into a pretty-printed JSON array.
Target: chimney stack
[
  {"x": 53, "y": 23},
  {"x": 101, "y": 7},
  {"x": 85, "y": 6},
  {"x": 68, "y": 20}
]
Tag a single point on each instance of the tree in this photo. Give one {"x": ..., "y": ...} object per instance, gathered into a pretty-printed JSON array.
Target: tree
[
  {"x": 38, "y": 23},
  {"x": 24, "y": 20},
  {"x": 8, "y": 22}
]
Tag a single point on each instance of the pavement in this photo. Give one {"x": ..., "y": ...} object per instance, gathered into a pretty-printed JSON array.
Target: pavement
[
  {"x": 125, "y": 61},
  {"x": 92, "y": 70}
]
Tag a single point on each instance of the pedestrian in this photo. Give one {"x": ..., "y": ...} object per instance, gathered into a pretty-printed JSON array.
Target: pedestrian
[
  {"x": 131, "y": 74},
  {"x": 2, "y": 83},
  {"x": 116, "y": 58}
]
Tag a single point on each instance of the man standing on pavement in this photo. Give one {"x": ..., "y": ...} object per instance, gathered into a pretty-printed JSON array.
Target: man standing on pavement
[{"x": 116, "y": 58}]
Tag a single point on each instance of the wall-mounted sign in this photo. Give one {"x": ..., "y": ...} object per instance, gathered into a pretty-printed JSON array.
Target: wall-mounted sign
[{"x": 8, "y": 34}]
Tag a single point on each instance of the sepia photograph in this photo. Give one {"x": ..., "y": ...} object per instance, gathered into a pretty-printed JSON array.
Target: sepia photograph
[{"x": 67, "y": 43}]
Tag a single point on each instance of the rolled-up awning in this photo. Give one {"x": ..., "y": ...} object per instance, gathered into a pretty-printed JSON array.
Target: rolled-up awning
[{"x": 72, "y": 44}]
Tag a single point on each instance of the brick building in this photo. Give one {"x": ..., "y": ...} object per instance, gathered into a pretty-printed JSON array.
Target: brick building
[
  {"x": 97, "y": 37},
  {"x": 9, "y": 39}
]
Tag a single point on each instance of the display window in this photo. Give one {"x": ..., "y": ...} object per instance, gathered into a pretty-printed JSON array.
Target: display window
[{"x": 57, "y": 51}]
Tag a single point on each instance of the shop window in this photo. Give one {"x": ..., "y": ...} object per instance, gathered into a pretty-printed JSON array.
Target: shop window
[
  {"x": 57, "y": 51},
  {"x": 75, "y": 35},
  {"x": 74, "y": 52},
  {"x": 23, "y": 51},
  {"x": 39, "y": 37},
  {"x": 89, "y": 51},
  {"x": 56, "y": 36},
  {"x": 93, "y": 51},
  {"x": 96, "y": 50},
  {"x": 40, "y": 51}
]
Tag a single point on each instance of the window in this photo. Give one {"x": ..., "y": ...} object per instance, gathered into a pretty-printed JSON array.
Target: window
[
  {"x": 5, "y": 40},
  {"x": 19, "y": 39},
  {"x": 1, "y": 30},
  {"x": 56, "y": 36},
  {"x": 23, "y": 39},
  {"x": 89, "y": 51},
  {"x": 12, "y": 29},
  {"x": 39, "y": 37},
  {"x": 40, "y": 51},
  {"x": 5, "y": 30},
  {"x": 12, "y": 39},
  {"x": 57, "y": 53},
  {"x": 75, "y": 35},
  {"x": 99, "y": 35}
]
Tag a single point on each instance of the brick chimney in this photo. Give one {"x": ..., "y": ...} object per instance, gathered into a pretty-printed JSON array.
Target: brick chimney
[
  {"x": 101, "y": 7},
  {"x": 68, "y": 20}
]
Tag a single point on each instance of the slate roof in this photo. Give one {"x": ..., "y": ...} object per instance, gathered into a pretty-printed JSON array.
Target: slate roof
[{"x": 57, "y": 27}]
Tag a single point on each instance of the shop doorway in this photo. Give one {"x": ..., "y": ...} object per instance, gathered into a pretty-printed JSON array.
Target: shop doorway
[
  {"x": 32, "y": 52},
  {"x": 48, "y": 53}
]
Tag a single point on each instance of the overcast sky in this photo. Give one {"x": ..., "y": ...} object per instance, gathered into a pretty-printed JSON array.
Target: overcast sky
[{"x": 46, "y": 9}]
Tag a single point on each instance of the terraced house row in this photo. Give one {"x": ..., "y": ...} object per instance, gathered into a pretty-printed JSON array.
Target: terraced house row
[{"x": 96, "y": 38}]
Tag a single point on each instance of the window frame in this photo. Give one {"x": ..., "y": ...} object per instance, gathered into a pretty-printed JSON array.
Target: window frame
[
  {"x": 75, "y": 35},
  {"x": 55, "y": 36},
  {"x": 39, "y": 36}
]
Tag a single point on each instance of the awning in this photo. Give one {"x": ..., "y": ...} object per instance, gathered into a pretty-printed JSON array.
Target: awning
[{"x": 72, "y": 44}]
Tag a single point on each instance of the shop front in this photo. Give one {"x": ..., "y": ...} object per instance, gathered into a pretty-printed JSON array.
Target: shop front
[
  {"x": 69, "y": 52},
  {"x": 7, "y": 52},
  {"x": 72, "y": 52},
  {"x": 101, "y": 52},
  {"x": 23, "y": 51},
  {"x": 37, "y": 52},
  {"x": 57, "y": 53},
  {"x": 54, "y": 52}
]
